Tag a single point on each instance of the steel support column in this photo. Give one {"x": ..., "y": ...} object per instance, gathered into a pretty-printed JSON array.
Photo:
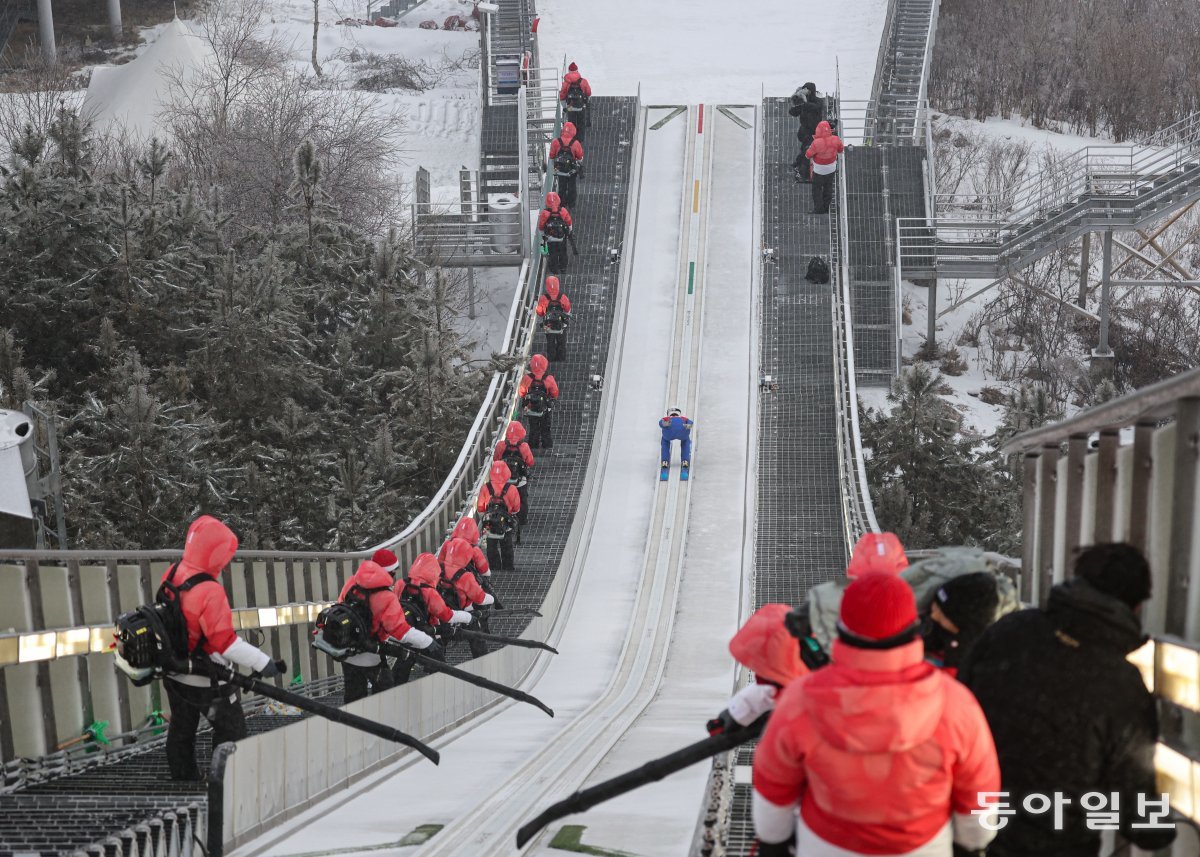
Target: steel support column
[
  {"x": 46, "y": 31},
  {"x": 1084, "y": 263},
  {"x": 114, "y": 18},
  {"x": 1183, "y": 508},
  {"x": 1102, "y": 350}
]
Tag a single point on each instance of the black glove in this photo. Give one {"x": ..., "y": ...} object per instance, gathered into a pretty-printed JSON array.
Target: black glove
[
  {"x": 787, "y": 848},
  {"x": 446, "y": 632},
  {"x": 434, "y": 650},
  {"x": 272, "y": 669},
  {"x": 964, "y": 851}
]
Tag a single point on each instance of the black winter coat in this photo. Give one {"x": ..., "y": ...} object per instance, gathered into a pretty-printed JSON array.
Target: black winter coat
[
  {"x": 1069, "y": 714},
  {"x": 810, "y": 114}
]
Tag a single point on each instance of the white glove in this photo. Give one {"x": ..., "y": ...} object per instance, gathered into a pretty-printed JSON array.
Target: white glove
[
  {"x": 417, "y": 639},
  {"x": 751, "y": 703},
  {"x": 487, "y": 573},
  {"x": 246, "y": 655},
  {"x": 460, "y": 617},
  {"x": 488, "y": 600}
]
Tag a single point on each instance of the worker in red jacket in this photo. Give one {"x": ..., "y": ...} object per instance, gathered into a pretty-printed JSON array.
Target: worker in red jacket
[
  {"x": 424, "y": 607},
  {"x": 194, "y": 581},
  {"x": 555, "y": 224},
  {"x": 468, "y": 531},
  {"x": 881, "y": 752},
  {"x": 538, "y": 392},
  {"x": 460, "y": 587},
  {"x": 367, "y": 671},
  {"x": 575, "y": 93},
  {"x": 514, "y": 451},
  {"x": 566, "y": 162},
  {"x": 823, "y": 153},
  {"x": 498, "y": 505},
  {"x": 554, "y": 307}
]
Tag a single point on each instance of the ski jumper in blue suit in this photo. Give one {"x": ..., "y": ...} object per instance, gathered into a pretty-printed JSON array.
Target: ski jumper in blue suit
[{"x": 676, "y": 429}]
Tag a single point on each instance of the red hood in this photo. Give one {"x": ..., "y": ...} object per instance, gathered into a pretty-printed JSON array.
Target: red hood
[
  {"x": 764, "y": 646},
  {"x": 880, "y": 552},
  {"x": 370, "y": 575},
  {"x": 467, "y": 530},
  {"x": 458, "y": 554},
  {"x": 876, "y": 701},
  {"x": 498, "y": 475},
  {"x": 425, "y": 569},
  {"x": 568, "y": 133},
  {"x": 823, "y": 130},
  {"x": 209, "y": 547},
  {"x": 514, "y": 434},
  {"x": 538, "y": 366},
  {"x": 553, "y": 201},
  {"x": 552, "y": 282}
]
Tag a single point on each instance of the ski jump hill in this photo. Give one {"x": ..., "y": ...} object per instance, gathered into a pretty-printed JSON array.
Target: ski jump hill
[{"x": 690, "y": 291}]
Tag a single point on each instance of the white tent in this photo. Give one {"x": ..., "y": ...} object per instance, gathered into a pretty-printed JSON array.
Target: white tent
[{"x": 130, "y": 97}]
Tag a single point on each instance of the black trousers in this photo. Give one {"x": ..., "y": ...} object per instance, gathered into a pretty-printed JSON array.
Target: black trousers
[
  {"x": 822, "y": 192},
  {"x": 359, "y": 681},
  {"x": 523, "y": 493},
  {"x": 802, "y": 163},
  {"x": 556, "y": 257},
  {"x": 539, "y": 432},
  {"x": 556, "y": 345},
  {"x": 219, "y": 705},
  {"x": 581, "y": 119},
  {"x": 500, "y": 552},
  {"x": 402, "y": 669},
  {"x": 566, "y": 189}
]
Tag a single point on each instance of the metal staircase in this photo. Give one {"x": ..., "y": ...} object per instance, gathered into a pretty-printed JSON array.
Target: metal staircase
[
  {"x": 893, "y": 115},
  {"x": 1100, "y": 188}
]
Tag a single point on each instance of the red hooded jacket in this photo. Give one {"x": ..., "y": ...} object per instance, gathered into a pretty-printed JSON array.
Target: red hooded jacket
[
  {"x": 566, "y": 140},
  {"x": 826, "y": 146},
  {"x": 880, "y": 750},
  {"x": 468, "y": 531},
  {"x": 554, "y": 206},
  {"x": 459, "y": 556},
  {"x": 209, "y": 547},
  {"x": 387, "y": 616},
  {"x": 538, "y": 365},
  {"x": 554, "y": 294},
  {"x": 423, "y": 577},
  {"x": 570, "y": 77},
  {"x": 764, "y": 646},
  {"x": 514, "y": 438},
  {"x": 497, "y": 486}
]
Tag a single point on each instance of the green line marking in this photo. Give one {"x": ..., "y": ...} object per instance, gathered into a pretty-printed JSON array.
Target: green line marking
[
  {"x": 691, "y": 276},
  {"x": 668, "y": 118},
  {"x": 738, "y": 119},
  {"x": 570, "y": 838}
]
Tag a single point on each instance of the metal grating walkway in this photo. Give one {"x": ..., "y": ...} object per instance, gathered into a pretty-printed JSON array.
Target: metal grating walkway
[
  {"x": 69, "y": 813},
  {"x": 903, "y": 68},
  {"x": 800, "y": 539},
  {"x": 882, "y": 183}
]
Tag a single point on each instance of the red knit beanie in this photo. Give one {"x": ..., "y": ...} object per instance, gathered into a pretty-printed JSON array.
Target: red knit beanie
[
  {"x": 386, "y": 559},
  {"x": 878, "y": 612}
]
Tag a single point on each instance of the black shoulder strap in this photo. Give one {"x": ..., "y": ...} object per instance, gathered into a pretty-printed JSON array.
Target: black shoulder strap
[{"x": 466, "y": 569}]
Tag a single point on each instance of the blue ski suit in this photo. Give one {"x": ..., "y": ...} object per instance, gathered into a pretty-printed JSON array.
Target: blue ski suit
[{"x": 676, "y": 429}]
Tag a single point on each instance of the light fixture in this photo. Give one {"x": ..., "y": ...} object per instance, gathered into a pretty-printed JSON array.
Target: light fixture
[
  {"x": 1178, "y": 675},
  {"x": 37, "y": 647},
  {"x": 268, "y": 617}
]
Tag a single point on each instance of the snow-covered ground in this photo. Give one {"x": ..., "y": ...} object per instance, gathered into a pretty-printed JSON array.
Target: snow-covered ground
[{"x": 714, "y": 51}]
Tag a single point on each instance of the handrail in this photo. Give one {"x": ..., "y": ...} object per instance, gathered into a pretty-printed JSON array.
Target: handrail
[
  {"x": 1147, "y": 405},
  {"x": 859, "y": 511},
  {"x": 880, "y": 58}
]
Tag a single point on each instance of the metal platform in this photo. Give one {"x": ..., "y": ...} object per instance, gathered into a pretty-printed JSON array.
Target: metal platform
[
  {"x": 882, "y": 183},
  {"x": 800, "y": 539},
  {"x": 74, "y": 812}
]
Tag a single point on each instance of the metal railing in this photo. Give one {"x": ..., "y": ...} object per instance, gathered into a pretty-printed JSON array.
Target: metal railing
[
  {"x": 858, "y": 510},
  {"x": 1109, "y": 185}
]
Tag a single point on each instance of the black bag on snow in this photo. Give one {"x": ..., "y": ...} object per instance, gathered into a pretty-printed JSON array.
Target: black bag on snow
[{"x": 818, "y": 270}]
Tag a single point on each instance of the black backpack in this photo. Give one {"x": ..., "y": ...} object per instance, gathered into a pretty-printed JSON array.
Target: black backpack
[
  {"x": 556, "y": 227},
  {"x": 576, "y": 100},
  {"x": 346, "y": 626},
  {"x": 495, "y": 522},
  {"x": 818, "y": 270},
  {"x": 448, "y": 589},
  {"x": 564, "y": 163},
  {"x": 516, "y": 464},
  {"x": 155, "y": 636},
  {"x": 556, "y": 316},
  {"x": 537, "y": 399},
  {"x": 413, "y": 604}
]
